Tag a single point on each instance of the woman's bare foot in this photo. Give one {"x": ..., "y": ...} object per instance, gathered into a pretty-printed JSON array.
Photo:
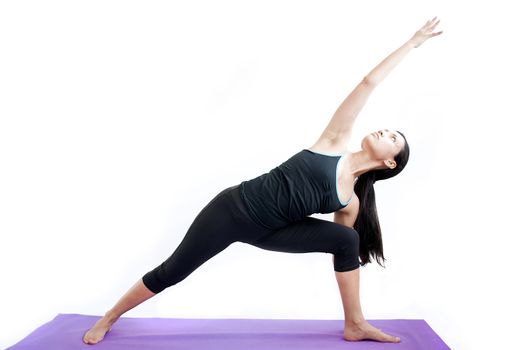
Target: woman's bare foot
[
  {"x": 363, "y": 330},
  {"x": 98, "y": 331}
]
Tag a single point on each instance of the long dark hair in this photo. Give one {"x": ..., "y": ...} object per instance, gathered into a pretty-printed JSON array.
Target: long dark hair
[{"x": 367, "y": 224}]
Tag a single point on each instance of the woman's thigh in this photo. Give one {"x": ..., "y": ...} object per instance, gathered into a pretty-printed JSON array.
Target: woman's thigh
[
  {"x": 316, "y": 235},
  {"x": 218, "y": 225}
]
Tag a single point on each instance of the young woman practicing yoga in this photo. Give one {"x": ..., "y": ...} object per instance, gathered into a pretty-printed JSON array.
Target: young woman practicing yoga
[{"x": 272, "y": 211}]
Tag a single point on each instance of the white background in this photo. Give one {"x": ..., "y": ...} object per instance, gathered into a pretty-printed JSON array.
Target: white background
[{"x": 120, "y": 120}]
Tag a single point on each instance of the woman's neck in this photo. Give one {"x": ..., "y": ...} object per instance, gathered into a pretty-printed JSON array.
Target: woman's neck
[{"x": 360, "y": 162}]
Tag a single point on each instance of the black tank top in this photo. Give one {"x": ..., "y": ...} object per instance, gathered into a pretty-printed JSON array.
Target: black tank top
[{"x": 303, "y": 185}]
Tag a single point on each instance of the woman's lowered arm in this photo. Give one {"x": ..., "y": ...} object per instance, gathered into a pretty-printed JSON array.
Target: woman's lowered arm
[{"x": 340, "y": 126}]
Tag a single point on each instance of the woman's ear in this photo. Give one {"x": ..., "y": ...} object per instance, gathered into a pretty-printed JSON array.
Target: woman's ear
[{"x": 391, "y": 164}]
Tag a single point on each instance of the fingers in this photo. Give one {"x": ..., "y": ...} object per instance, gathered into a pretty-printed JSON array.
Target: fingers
[
  {"x": 427, "y": 30},
  {"x": 431, "y": 24},
  {"x": 434, "y": 24}
]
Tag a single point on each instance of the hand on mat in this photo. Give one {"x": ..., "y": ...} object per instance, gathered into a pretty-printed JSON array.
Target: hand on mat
[{"x": 426, "y": 32}]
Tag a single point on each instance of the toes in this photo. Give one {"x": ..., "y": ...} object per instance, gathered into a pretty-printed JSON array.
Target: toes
[
  {"x": 88, "y": 339},
  {"x": 384, "y": 337},
  {"x": 390, "y": 338}
]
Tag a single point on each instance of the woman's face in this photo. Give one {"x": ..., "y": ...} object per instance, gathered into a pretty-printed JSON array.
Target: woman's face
[{"x": 383, "y": 144}]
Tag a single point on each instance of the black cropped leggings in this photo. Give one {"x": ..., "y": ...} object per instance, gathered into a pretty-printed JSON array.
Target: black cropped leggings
[{"x": 225, "y": 220}]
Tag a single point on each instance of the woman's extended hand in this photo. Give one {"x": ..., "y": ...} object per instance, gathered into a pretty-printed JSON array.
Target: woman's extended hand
[{"x": 426, "y": 32}]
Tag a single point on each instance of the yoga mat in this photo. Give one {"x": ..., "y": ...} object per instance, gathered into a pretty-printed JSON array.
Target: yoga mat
[{"x": 65, "y": 331}]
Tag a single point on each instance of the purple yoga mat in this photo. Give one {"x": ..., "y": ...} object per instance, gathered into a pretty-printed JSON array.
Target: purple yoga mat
[{"x": 65, "y": 331}]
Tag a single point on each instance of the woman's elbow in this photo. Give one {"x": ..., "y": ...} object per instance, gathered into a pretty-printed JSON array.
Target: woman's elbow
[{"x": 369, "y": 81}]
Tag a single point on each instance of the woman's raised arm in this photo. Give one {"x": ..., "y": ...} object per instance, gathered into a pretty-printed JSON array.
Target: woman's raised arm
[{"x": 339, "y": 129}]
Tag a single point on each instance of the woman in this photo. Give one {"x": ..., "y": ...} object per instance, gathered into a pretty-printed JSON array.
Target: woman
[{"x": 272, "y": 211}]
